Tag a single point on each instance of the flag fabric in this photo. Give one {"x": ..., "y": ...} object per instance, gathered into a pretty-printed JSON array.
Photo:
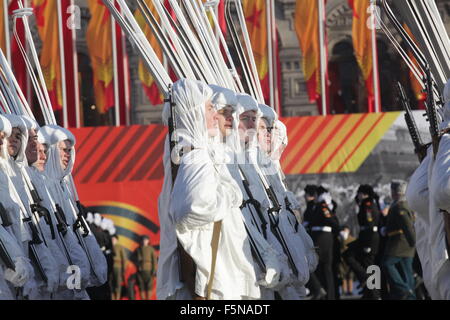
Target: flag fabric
[
  {"x": 47, "y": 20},
  {"x": 278, "y": 83},
  {"x": 17, "y": 61},
  {"x": 3, "y": 27},
  {"x": 148, "y": 83},
  {"x": 415, "y": 85},
  {"x": 256, "y": 20},
  {"x": 123, "y": 77},
  {"x": 99, "y": 40},
  {"x": 47, "y": 24},
  {"x": 170, "y": 70},
  {"x": 71, "y": 66},
  {"x": 221, "y": 17},
  {"x": 307, "y": 29},
  {"x": 362, "y": 45}
]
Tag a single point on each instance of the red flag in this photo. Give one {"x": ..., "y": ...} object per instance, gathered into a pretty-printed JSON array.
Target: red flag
[
  {"x": 47, "y": 25},
  {"x": 3, "y": 29},
  {"x": 17, "y": 61},
  {"x": 308, "y": 33},
  {"x": 362, "y": 44},
  {"x": 71, "y": 66},
  {"x": 99, "y": 39},
  {"x": 148, "y": 83},
  {"x": 221, "y": 17},
  {"x": 123, "y": 76},
  {"x": 415, "y": 85},
  {"x": 256, "y": 19}
]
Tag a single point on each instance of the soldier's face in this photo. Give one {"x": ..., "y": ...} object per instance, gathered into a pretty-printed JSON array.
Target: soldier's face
[
  {"x": 14, "y": 142},
  {"x": 247, "y": 125},
  {"x": 145, "y": 242},
  {"x": 32, "y": 147},
  {"x": 394, "y": 195},
  {"x": 225, "y": 118},
  {"x": 2, "y": 138},
  {"x": 211, "y": 119},
  {"x": 42, "y": 157},
  {"x": 65, "y": 150},
  {"x": 264, "y": 136}
]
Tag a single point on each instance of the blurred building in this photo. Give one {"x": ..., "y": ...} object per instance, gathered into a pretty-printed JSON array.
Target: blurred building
[{"x": 347, "y": 89}]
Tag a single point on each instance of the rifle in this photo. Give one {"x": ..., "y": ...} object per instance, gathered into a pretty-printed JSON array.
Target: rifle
[
  {"x": 172, "y": 139},
  {"x": 187, "y": 265},
  {"x": 35, "y": 238},
  {"x": 35, "y": 205},
  {"x": 251, "y": 200},
  {"x": 34, "y": 256},
  {"x": 289, "y": 208},
  {"x": 80, "y": 223},
  {"x": 61, "y": 220},
  {"x": 254, "y": 249},
  {"x": 431, "y": 112},
  {"x": 6, "y": 221},
  {"x": 62, "y": 225},
  {"x": 435, "y": 139},
  {"x": 274, "y": 219},
  {"x": 77, "y": 226},
  {"x": 40, "y": 210},
  {"x": 33, "y": 253},
  {"x": 419, "y": 147},
  {"x": 6, "y": 257}
]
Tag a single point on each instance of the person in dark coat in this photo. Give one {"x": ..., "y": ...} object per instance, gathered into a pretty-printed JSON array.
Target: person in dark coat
[
  {"x": 146, "y": 267},
  {"x": 323, "y": 223},
  {"x": 119, "y": 263},
  {"x": 346, "y": 275},
  {"x": 102, "y": 292},
  {"x": 314, "y": 286},
  {"x": 361, "y": 253},
  {"x": 400, "y": 247}
]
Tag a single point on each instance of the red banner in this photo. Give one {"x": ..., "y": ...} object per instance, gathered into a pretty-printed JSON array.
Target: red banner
[{"x": 119, "y": 174}]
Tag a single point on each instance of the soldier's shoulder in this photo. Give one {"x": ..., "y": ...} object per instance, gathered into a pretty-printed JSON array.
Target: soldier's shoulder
[
  {"x": 402, "y": 205},
  {"x": 401, "y": 208}
]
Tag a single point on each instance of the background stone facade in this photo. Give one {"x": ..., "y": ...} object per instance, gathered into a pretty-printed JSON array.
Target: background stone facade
[{"x": 295, "y": 101}]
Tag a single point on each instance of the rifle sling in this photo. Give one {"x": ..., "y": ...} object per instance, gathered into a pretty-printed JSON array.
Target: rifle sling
[
  {"x": 446, "y": 216},
  {"x": 214, "y": 248},
  {"x": 188, "y": 270}
]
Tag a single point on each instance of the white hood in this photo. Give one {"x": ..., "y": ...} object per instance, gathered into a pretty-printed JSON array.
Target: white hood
[
  {"x": 246, "y": 103},
  {"x": 268, "y": 114},
  {"x": 446, "y": 123},
  {"x": 5, "y": 127},
  {"x": 201, "y": 195},
  {"x": 223, "y": 97},
  {"x": 52, "y": 135},
  {"x": 18, "y": 122},
  {"x": 189, "y": 97},
  {"x": 30, "y": 123}
]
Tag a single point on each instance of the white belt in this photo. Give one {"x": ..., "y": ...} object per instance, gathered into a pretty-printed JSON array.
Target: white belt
[
  {"x": 374, "y": 229},
  {"x": 324, "y": 229}
]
